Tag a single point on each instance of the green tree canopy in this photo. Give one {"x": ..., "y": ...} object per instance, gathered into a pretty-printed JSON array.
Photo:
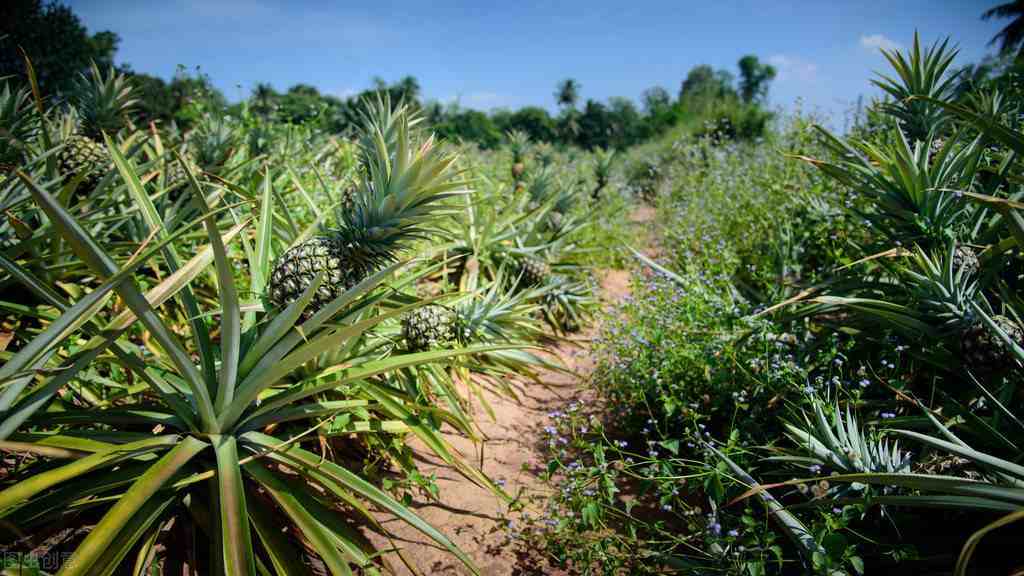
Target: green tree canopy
[
  {"x": 1011, "y": 37},
  {"x": 55, "y": 40},
  {"x": 176, "y": 101},
  {"x": 655, "y": 100},
  {"x": 567, "y": 93},
  {"x": 755, "y": 77},
  {"x": 705, "y": 82},
  {"x": 531, "y": 120}
]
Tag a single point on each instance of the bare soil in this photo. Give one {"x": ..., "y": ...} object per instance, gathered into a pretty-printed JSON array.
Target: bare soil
[{"x": 473, "y": 517}]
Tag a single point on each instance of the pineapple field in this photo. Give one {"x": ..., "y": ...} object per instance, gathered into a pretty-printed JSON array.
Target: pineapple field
[{"x": 297, "y": 334}]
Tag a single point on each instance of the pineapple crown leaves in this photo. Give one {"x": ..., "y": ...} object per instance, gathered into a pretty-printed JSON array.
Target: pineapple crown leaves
[
  {"x": 518, "y": 143},
  {"x": 913, "y": 193},
  {"x": 103, "y": 101},
  {"x": 498, "y": 313},
  {"x": 213, "y": 142},
  {"x": 17, "y": 117},
  {"x": 933, "y": 297},
  {"x": 918, "y": 74},
  {"x": 833, "y": 438},
  {"x": 603, "y": 161},
  {"x": 943, "y": 291},
  {"x": 405, "y": 186}
]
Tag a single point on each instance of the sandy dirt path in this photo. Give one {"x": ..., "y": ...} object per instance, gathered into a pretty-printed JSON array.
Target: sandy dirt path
[{"x": 471, "y": 516}]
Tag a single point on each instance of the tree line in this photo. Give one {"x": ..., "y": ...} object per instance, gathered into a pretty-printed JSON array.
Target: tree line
[
  {"x": 708, "y": 101},
  {"x": 61, "y": 48}
]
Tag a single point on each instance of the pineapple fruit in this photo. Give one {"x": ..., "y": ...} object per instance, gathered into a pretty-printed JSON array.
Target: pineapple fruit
[
  {"x": 402, "y": 193},
  {"x": 965, "y": 259},
  {"x": 986, "y": 351},
  {"x": 429, "y": 327},
  {"x": 533, "y": 270},
  {"x": 102, "y": 103}
]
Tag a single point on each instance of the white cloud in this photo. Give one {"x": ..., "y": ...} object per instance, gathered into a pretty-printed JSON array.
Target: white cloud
[
  {"x": 874, "y": 42},
  {"x": 793, "y": 68}
]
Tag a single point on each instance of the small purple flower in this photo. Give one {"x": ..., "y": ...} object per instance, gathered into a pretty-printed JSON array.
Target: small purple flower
[
  {"x": 733, "y": 533},
  {"x": 887, "y": 415}
]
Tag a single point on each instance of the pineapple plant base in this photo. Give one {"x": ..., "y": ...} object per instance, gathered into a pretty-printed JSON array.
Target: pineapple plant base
[
  {"x": 429, "y": 327},
  {"x": 984, "y": 350},
  {"x": 82, "y": 156}
]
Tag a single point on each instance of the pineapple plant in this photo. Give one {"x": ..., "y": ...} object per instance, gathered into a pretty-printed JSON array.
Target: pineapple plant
[
  {"x": 102, "y": 104},
  {"x": 17, "y": 125},
  {"x": 403, "y": 192},
  {"x": 566, "y": 303},
  {"x": 430, "y": 327},
  {"x": 212, "y": 144},
  {"x": 518, "y": 142},
  {"x": 603, "y": 160}
]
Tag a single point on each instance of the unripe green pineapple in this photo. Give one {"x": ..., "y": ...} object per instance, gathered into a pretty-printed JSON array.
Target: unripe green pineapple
[
  {"x": 984, "y": 350},
  {"x": 533, "y": 271},
  {"x": 402, "y": 193},
  {"x": 429, "y": 327},
  {"x": 83, "y": 156},
  {"x": 298, "y": 267}
]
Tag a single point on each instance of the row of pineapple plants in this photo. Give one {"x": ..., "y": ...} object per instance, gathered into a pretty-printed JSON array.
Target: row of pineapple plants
[
  {"x": 822, "y": 372},
  {"x": 217, "y": 341}
]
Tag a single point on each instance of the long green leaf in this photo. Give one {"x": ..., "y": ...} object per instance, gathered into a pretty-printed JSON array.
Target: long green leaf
[
  {"x": 139, "y": 523},
  {"x": 90, "y": 252},
  {"x": 102, "y": 536},
  {"x": 231, "y": 319},
  {"x": 234, "y": 515},
  {"x": 310, "y": 527},
  {"x": 153, "y": 223},
  {"x": 29, "y": 487},
  {"x": 364, "y": 371},
  {"x": 307, "y": 460},
  {"x": 283, "y": 555}
]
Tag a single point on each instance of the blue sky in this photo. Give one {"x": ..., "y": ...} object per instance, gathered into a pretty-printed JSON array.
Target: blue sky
[{"x": 511, "y": 54}]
